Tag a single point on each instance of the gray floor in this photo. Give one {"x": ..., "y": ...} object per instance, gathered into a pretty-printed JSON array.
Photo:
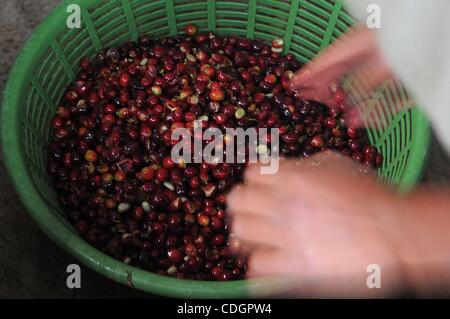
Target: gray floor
[{"x": 31, "y": 266}]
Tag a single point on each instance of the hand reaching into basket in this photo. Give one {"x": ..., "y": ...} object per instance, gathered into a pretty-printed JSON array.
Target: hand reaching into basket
[
  {"x": 355, "y": 51},
  {"x": 320, "y": 225},
  {"x": 317, "y": 223}
]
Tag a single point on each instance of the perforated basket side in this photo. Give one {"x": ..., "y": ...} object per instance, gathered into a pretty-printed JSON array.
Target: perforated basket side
[{"x": 49, "y": 62}]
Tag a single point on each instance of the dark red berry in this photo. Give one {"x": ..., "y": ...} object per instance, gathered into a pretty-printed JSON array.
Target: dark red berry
[
  {"x": 111, "y": 142},
  {"x": 175, "y": 256}
]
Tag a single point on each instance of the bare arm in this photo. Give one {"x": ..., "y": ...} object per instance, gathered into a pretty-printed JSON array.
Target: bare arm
[
  {"x": 320, "y": 225},
  {"x": 424, "y": 240}
]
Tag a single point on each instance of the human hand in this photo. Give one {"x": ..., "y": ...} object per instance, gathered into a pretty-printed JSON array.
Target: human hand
[
  {"x": 319, "y": 223},
  {"x": 355, "y": 51}
]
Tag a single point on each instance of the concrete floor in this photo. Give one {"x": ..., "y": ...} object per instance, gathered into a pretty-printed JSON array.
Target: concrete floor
[{"x": 31, "y": 266}]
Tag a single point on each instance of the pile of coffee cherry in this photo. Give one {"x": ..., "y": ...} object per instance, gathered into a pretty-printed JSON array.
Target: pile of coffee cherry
[{"x": 110, "y": 149}]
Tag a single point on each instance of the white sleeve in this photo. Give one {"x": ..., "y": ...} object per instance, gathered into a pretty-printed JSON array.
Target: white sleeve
[{"x": 415, "y": 39}]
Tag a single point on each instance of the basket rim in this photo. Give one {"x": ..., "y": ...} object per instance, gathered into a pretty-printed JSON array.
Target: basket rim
[
  {"x": 61, "y": 234},
  {"x": 88, "y": 255}
]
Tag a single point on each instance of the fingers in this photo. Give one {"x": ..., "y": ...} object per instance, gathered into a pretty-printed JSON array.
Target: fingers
[
  {"x": 266, "y": 261},
  {"x": 328, "y": 67},
  {"x": 257, "y": 199},
  {"x": 293, "y": 172},
  {"x": 354, "y": 118},
  {"x": 319, "y": 93},
  {"x": 302, "y": 78},
  {"x": 253, "y": 174},
  {"x": 255, "y": 230},
  {"x": 238, "y": 247},
  {"x": 312, "y": 88},
  {"x": 368, "y": 113},
  {"x": 356, "y": 49}
]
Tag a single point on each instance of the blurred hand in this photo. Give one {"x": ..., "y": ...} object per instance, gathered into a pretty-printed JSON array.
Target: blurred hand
[
  {"x": 320, "y": 222},
  {"x": 354, "y": 51}
]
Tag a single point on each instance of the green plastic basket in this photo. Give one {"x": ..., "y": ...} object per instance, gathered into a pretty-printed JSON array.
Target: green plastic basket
[{"x": 49, "y": 62}]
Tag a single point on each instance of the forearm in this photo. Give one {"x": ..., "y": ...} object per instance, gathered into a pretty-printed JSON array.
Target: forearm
[
  {"x": 414, "y": 40},
  {"x": 357, "y": 48},
  {"x": 423, "y": 239}
]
